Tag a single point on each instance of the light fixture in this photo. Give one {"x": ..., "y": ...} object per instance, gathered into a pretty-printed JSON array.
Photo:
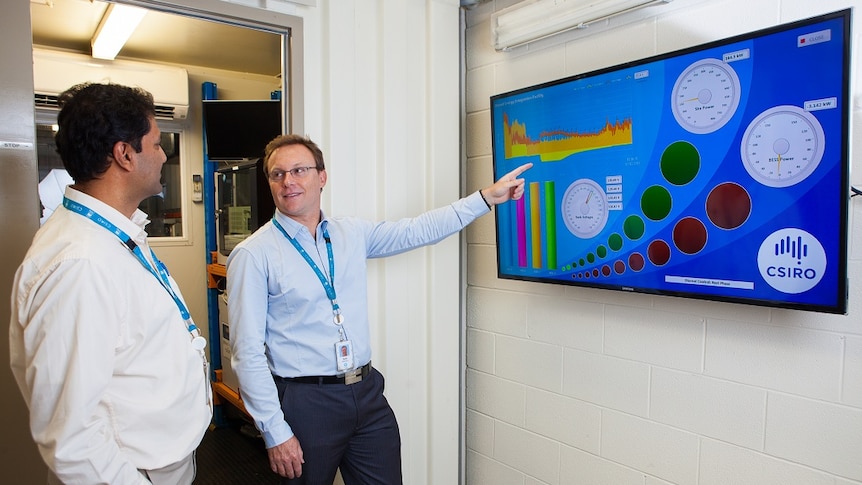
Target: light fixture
[
  {"x": 537, "y": 19},
  {"x": 114, "y": 30}
]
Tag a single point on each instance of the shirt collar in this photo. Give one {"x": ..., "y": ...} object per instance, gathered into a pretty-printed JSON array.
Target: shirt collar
[
  {"x": 293, "y": 228},
  {"x": 134, "y": 227}
]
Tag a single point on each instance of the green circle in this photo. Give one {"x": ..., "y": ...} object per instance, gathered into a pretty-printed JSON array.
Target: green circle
[
  {"x": 656, "y": 203},
  {"x": 633, "y": 227},
  {"x": 615, "y": 242},
  {"x": 601, "y": 251},
  {"x": 680, "y": 163},
  {"x": 581, "y": 262},
  {"x": 591, "y": 258}
]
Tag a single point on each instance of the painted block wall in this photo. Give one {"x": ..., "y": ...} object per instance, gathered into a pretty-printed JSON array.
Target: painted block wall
[{"x": 567, "y": 385}]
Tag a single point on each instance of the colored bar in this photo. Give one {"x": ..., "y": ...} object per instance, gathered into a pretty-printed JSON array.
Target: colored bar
[
  {"x": 550, "y": 224},
  {"x": 535, "y": 225},
  {"x": 521, "y": 220}
]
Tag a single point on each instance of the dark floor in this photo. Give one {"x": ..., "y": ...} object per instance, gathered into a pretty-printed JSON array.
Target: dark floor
[{"x": 228, "y": 455}]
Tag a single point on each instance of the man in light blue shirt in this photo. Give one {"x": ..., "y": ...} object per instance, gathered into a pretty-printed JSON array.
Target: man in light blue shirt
[{"x": 298, "y": 308}]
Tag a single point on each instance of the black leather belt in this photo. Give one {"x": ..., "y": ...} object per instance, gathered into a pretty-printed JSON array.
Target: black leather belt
[{"x": 348, "y": 378}]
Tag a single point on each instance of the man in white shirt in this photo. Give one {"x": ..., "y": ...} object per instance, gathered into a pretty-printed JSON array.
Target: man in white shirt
[{"x": 102, "y": 346}]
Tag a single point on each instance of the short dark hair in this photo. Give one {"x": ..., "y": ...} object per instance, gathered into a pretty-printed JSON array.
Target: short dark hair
[
  {"x": 291, "y": 139},
  {"x": 93, "y": 117}
]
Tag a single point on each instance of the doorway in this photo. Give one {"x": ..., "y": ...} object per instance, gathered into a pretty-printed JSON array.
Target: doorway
[
  {"x": 266, "y": 49},
  {"x": 18, "y": 127}
]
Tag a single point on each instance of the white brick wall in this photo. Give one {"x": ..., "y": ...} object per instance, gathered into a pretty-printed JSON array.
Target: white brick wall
[
  {"x": 795, "y": 360},
  {"x": 721, "y": 464},
  {"x": 719, "y": 409},
  {"x": 653, "y": 448},
  {"x": 818, "y": 434},
  {"x": 609, "y": 382},
  {"x": 581, "y": 467},
  {"x": 569, "y": 421},
  {"x": 570, "y": 385}
]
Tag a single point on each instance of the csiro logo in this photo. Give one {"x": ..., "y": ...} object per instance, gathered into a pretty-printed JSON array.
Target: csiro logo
[{"x": 791, "y": 260}]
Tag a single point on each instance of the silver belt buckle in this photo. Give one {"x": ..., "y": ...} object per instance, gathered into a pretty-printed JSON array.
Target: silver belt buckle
[{"x": 353, "y": 377}]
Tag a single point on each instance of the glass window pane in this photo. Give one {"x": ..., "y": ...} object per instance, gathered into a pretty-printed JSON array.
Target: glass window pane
[{"x": 164, "y": 210}]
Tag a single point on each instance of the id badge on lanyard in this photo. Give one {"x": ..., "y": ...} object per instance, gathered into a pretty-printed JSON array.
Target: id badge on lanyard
[{"x": 344, "y": 355}]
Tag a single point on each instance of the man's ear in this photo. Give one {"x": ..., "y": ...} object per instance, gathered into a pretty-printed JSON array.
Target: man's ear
[{"x": 122, "y": 154}]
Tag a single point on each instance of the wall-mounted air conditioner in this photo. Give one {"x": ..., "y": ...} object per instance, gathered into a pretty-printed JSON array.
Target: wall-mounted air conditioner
[{"x": 56, "y": 71}]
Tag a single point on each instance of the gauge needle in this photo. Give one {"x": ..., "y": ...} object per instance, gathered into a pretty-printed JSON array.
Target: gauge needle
[{"x": 588, "y": 198}]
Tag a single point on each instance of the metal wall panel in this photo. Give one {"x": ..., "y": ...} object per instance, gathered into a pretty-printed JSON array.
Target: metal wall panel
[{"x": 19, "y": 219}]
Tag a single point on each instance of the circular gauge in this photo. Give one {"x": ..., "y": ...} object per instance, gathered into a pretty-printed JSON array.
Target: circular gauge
[
  {"x": 585, "y": 208},
  {"x": 782, "y": 146},
  {"x": 705, "y": 96}
]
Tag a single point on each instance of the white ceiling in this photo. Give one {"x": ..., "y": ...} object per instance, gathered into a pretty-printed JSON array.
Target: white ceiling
[{"x": 160, "y": 37}]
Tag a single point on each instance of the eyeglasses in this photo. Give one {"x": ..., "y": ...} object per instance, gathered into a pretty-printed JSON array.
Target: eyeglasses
[{"x": 297, "y": 173}]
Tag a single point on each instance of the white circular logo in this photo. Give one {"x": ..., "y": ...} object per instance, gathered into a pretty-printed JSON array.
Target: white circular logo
[{"x": 791, "y": 260}]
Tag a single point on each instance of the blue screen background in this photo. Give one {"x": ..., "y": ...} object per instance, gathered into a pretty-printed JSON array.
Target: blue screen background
[{"x": 773, "y": 70}]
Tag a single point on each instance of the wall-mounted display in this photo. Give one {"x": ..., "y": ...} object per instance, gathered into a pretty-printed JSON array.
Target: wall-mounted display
[
  {"x": 717, "y": 172},
  {"x": 236, "y": 132},
  {"x": 240, "y": 130}
]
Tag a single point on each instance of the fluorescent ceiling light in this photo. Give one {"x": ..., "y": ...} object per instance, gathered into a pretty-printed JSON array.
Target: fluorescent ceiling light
[
  {"x": 537, "y": 19},
  {"x": 114, "y": 30}
]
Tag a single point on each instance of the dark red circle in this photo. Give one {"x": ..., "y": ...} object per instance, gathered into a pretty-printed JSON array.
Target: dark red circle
[
  {"x": 619, "y": 267},
  {"x": 636, "y": 261},
  {"x": 728, "y": 205},
  {"x": 689, "y": 235},
  {"x": 658, "y": 252},
  {"x": 606, "y": 270}
]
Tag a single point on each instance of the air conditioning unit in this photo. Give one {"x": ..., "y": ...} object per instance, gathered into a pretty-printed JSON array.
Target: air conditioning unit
[{"x": 56, "y": 71}]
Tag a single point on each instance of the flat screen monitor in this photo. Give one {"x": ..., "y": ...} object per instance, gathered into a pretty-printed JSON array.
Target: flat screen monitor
[
  {"x": 237, "y": 130},
  {"x": 717, "y": 172}
]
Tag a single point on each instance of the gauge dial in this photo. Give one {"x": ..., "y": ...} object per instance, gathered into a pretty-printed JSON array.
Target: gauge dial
[
  {"x": 705, "y": 96},
  {"x": 782, "y": 146},
  {"x": 585, "y": 208}
]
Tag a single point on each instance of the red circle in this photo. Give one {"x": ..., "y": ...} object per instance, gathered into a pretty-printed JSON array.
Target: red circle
[
  {"x": 728, "y": 205},
  {"x": 658, "y": 252},
  {"x": 619, "y": 267},
  {"x": 636, "y": 261},
  {"x": 689, "y": 235}
]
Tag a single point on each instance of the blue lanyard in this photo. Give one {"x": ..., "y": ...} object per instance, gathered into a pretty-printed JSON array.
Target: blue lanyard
[
  {"x": 160, "y": 272},
  {"x": 337, "y": 317}
]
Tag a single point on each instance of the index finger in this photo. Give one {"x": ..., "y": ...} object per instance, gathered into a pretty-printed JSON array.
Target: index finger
[{"x": 518, "y": 171}]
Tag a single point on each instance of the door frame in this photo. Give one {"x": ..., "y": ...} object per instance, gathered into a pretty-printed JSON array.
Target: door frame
[
  {"x": 288, "y": 26},
  {"x": 18, "y": 162}
]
